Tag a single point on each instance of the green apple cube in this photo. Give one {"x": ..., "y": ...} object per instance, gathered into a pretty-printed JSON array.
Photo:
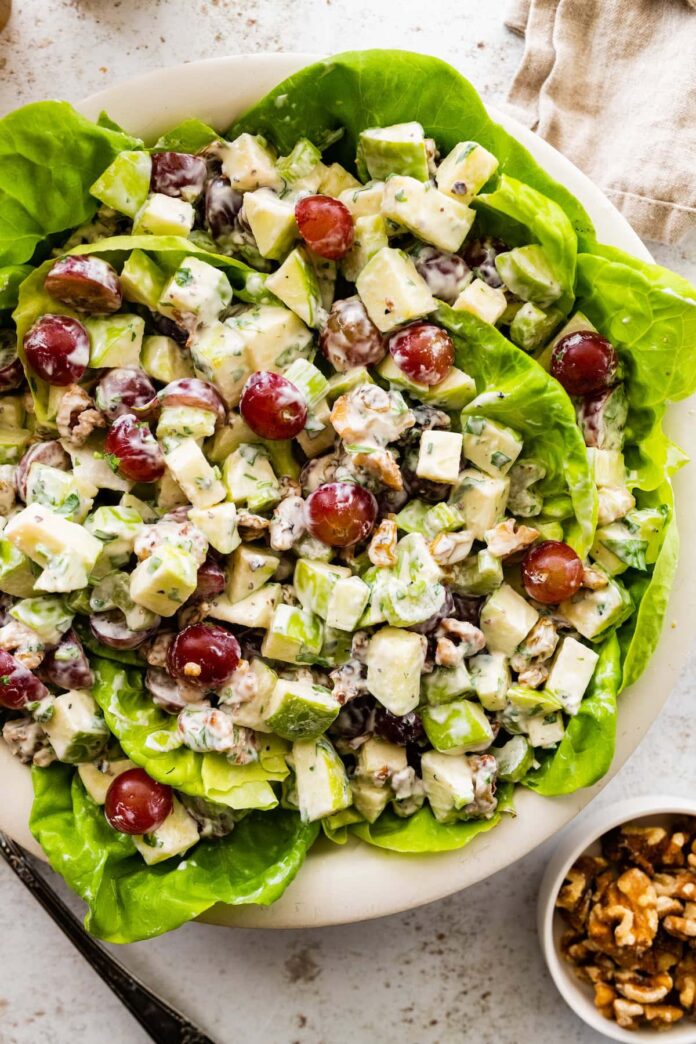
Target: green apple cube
[
  {"x": 457, "y": 727},
  {"x": 392, "y": 290},
  {"x": 593, "y": 612},
  {"x": 369, "y": 799},
  {"x": 295, "y": 284},
  {"x": 17, "y": 575},
  {"x": 196, "y": 289},
  {"x": 492, "y": 447},
  {"x": 311, "y": 381},
  {"x": 321, "y": 779},
  {"x": 47, "y": 616},
  {"x": 487, "y": 303},
  {"x": 228, "y": 438},
  {"x": 414, "y": 560},
  {"x": 335, "y": 179},
  {"x": 442, "y": 518},
  {"x": 490, "y": 674},
  {"x": 162, "y": 215},
  {"x": 76, "y": 728},
  {"x": 13, "y": 442},
  {"x": 370, "y": 236},
  {"x": 218, "y": 524},
  {"x": 364, "y": 200},
  {"x": 532, "y": 326},
  {"x": 142, "y": 280},
  {"x": 411, "y": 519},
  {"x": 607, "y": 466},
  {"x": 272, "y": 337},
  {"x": 439, "y": 456},
  {"x": 506, "y": 620},
  {"x": 115, "y": 341},
  {"x": 272, "y": 222},
  {"x": 248, "y": 570},
  {"x": 198, "y": 479},
  {"x": 314, "y": 582},
  {"x": 12, "y": 411},
  {"x": 125, "y": 184},
  {"x": 175, "y": 836},
  {"x": 399, "y": 149},
  {"x": 481, "y": 499},
  {"x": 163, "y": 582},
  {"x": 336, "y": 648},
  {"x": 293, "y": 636},
  {"x": 395, "y": 661},
  {"x": 571, "y": 673},
  {"x": 251, "y": 713},
  {"x": 60, "y": 491},
  {"x": 530, "y": 702},
  {"x": 163, "y": 359},
  {"x": 528, "y": 273},
  {"x": 448, "y": 783},
  {"x": 445, "y": 684},
  {"x": 419, "y": 208},
  {"x": 97, "y": 776},
  {"x": 318, "y": 435},
  {"x": 545, "y": 730},
  {"x": 179, "y": 422},
  {"x": 41, "y": 534},
  {"x": 453, "y": 393},
  {"x": 636, "y": 538},
  {"x": 514, "y": 759},
  {"x": 303, "y": 161},
  {"x": 219, "y": 356},
  {"x": 250, "y": 479},
  {"x": 298, "y": 710},
  {"x": 116, "y": 526},
  {"x": 63, "y": 573},
  {"x": 347, "y": 602},
  {"x": 408, "y": 602},
  {"x": 465, "y": 170},
  {"x": 250, "y": 163},
  {"x": 256, "y": 610}
]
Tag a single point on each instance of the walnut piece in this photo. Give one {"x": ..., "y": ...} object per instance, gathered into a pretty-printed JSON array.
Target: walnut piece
[
  {"x": 449, "y": 548},
  {"x": 508, "y": 537},
  {"x": 625, "y": 918},
  {"x": 77, "y": 416},
  {"x": 382, "y": 464},
  {"x": 382, "y": 549}
]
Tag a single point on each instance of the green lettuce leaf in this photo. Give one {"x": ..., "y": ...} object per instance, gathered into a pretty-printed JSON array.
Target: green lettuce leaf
[
  {"x": 189, "y": 136},
  {"x": 11, "y": 278},
  {"x": 128, "y": 900},
  {"x": 49, "y": 156},
  {"x": 423, "y": 833},
  {"x": 585, "y": 753},
  {"x": 348, "y": 92},
  {"x": 515, "y": 390},
  {"x": 149, "y": 737}
]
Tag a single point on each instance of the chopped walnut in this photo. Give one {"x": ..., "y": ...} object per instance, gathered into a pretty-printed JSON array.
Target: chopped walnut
[
  {"x": 604, "y": 998},
  {"x": 534, "y": 677},
  {"x": 539, "y": 645},
  {"x": 679, "y": 886},
  {"x": 168, "y": 531},
  {"x": 613, "y": 503},
  {"x": 77, "y": 416},
  {"x": 289, "y": 487},
  {"x": 576, "y": 891},
  {"x": 8, "y": 488},
  {"x": 646, "y": 846},
  {"x": 627, "y": 1013},
  {"x": 685, "y": 981},
  {"x": 645, "y": 989},
  {"x": 192, "y": 613},
  {"x": 594, "y": 579},
  {"x": 661, "y": 1015},
  {"x": 449, "y": 548},
  {"x": 382, "y": 464},
  {"x": 682, "y": 927},
  {"x": 27, "y": 741},
  {"x": 349, "y": 681},
  {"x": 470, "y": 638},
  {"x": 288, "y": 524},
  {"x": 155, "y": 650},
  {"x": 318, "y": 471},
  {"x": 508, "y": 537},
  {"x": 360, "y": 645},
  {"x": 24, "y": 644},
  {"x": 626, "y": 915},
  {"x": 371, "y": 416},
  {"x": 251, "y": 526},
  {"x": 382, "y": 549},
  {"x": 484, "y": 769}
]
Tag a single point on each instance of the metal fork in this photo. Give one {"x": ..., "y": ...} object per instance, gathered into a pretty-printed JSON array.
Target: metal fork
[{"x": 161, "y": 1022}]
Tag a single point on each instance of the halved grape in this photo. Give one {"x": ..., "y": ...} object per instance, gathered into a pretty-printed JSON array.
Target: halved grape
[
  {"x": 551, "y": 572},
  {"x": 18, "y": 685},
  {"x": 204, "y": 655},
  {"x": 168, "y": 328},
  {"x": 178, "y": 174},
  {"x": 350, "y": 338},
  {"x": 341, "y": 514},
  {"x": 67, "y": 666},
  {"x": 136, "y": 803},
  {"x": 222, "y": 207},
  {"x": 480, "y": 255},
  {"x": 446, "y": 274},
  {"x": 192, "y": 391},
  {"x": 401, "y": 730},
  {"x": 273, "y": 406},
  {"x": 134, "y": 450},
  {"x": 423, "y": 351},
  {"x": 326, "y": 226},
  {"x": 584, "y": 362},
  {"x": 57, "y": 349},
  {"x": 87, "y": 284},
  {"x": 164, "y": 690},
  {"x": 50, "y": 453},
  {"x": 211, "y": 581},
  {"x": 111, "y": 629},
  {"x": 125, "y": 391},
  {"x": 11, "y": 369}
]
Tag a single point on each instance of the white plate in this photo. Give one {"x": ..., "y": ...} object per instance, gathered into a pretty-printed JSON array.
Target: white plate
[{"x": 357, "y": 882}]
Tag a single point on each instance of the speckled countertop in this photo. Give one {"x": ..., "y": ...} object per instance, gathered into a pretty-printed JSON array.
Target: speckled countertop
[{"x": 464, "y": 969}]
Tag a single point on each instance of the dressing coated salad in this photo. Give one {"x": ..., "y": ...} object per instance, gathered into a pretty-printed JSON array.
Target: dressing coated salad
[{"x": 278, "y": 542}]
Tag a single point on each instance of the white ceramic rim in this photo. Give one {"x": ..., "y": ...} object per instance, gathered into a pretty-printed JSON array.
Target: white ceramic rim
[
  {"x": 356, "y": 882},
  {"x": 573, "y": 844}
]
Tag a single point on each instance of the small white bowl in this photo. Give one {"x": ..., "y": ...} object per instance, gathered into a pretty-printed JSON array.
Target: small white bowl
[{"x": 584, "y": 838}]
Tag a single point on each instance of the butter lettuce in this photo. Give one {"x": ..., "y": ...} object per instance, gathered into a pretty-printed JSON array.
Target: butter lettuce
[
  {"x": 128, "y": 900},
  {"x": 150, "y": 738},
  {"x": 516, "y": 391}
]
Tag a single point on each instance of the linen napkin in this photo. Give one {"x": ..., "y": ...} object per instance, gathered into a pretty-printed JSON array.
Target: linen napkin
[{"x": 612, "y": 85}]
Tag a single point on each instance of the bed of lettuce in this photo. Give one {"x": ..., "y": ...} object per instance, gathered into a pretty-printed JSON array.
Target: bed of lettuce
[{"x": 49, "y": 156}]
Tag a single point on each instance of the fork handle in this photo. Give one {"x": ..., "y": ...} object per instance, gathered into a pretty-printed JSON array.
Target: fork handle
[{"x": 160, "y": 1021}]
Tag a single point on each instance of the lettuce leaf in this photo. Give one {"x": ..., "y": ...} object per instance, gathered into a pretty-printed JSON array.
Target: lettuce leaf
[
  {"x": 11, "y": 278},
  {"x": 150, "y": 738},
  {"x": 585, "y": 753},
  {"x": 423, "y": 833},
  {"x": 128, "y": 900},
  {"x": 189, "y": 136},
  {"x": 515, "y": 390},
  {"x": 49, "y": 156},
  {"x": 346, "y": 93}
]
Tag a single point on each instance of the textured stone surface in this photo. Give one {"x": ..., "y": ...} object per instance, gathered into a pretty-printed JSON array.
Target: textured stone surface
[{"x": 464, "y": 969}]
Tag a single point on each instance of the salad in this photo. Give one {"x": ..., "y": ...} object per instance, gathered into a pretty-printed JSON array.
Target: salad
[{"x": 334, "y": 491}]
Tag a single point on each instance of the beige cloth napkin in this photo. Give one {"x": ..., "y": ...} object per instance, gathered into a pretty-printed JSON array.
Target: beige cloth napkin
[{"x": 612, "y": 84}]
